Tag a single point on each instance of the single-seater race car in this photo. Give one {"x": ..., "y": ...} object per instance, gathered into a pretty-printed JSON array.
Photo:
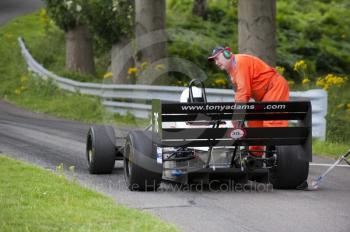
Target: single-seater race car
[{"x": 195, "y": 141}]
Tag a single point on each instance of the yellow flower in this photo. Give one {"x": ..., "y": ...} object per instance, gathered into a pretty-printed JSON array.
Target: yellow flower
[
  {"x": 306, "y": 81},
  {"x": 8, "y": 35},
  {"x": 182, "y": 83},
  {"x": 18, "y": 91},
  {"x": 133, "y": 70},
  {"x": 24, "y": 78},
  {"x": 108, "y": 75},
  {"x": 280, "y": 70},
  {"x": 59, "y": 168},
  {"x": 320, "y": 82},
  {"x": 331, "y": 79},
  {"x": 220, "y": 82},
  {"x": 43, "y": 13},
  {"x": 43, "y": 16},
  {"x": 144, "y": 65},
  {"x": 300, "y": 66}
]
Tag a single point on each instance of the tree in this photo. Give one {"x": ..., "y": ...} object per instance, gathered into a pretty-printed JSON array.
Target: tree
[
  {"x": 112, "y": 23},
  {"x": 68, "y": 15},
  {"x": 200, "y": 8},
  {"x": 79, "y": 51},
  {"x": 257, "y": 29},
  {"x": 149, "y": 31}
]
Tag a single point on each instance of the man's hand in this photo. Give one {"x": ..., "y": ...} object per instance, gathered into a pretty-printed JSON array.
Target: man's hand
[{"x": 237, "y": 124}]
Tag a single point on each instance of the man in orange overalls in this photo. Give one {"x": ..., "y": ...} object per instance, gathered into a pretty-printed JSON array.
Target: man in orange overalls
[{"x": 252, "y": 78}]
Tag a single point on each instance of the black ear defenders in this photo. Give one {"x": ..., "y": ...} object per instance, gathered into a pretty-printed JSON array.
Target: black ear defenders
[{"x": 227, "y": 54}]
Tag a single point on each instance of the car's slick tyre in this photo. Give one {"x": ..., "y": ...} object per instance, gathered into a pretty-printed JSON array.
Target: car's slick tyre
[
  {"x": 100, "y": 149},
  {"x": 292, "y": 167},
  {"x": 141, "y": 170}
]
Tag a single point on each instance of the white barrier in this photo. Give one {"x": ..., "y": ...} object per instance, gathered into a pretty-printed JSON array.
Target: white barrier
[{"x": 114, "y": 96}]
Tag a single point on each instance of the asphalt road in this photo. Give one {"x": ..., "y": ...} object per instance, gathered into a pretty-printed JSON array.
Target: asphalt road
[
  {"x": 13, "y": 8},
  {"x": 49, "y": 141}
]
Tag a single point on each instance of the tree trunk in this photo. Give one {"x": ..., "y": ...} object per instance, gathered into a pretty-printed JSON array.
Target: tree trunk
[
  {"x": 151, "y": 39},
  {"x": 79, "y": 52},
  {"x": 200, "y": 8},
  {"x": 122, "y": 60},
  {"x": 257, "y": 29}
]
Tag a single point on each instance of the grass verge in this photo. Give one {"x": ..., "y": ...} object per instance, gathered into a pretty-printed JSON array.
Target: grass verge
[
  {"x": 329, "y": 149},
  {"x": 33, "y": 199}
]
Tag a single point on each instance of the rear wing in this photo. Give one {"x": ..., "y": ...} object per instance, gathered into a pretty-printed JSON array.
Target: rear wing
[{"x": 213, "y": 112}]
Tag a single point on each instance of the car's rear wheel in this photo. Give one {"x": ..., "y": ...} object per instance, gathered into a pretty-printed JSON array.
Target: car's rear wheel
[
  {"x": 292, "y": 168},
  {"x": 100, "y": 149},
  {"x": 141, "y": 170}
]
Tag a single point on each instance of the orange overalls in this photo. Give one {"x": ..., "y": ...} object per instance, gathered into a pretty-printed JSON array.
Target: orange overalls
[{"x": 253, "y": 78}]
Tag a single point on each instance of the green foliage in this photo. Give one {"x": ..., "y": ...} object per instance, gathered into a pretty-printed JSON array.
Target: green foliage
[
  {"x": 312, "y": 33},
  {"x": 197, "y": 37},
  {"x": 79, "y": 77},
  {"x": 338, "y": 128},
  {"x": 180, "y": 5},
  {"x": 338, "y": 117},
  {"x": 110, "y": 21},
  {"x": 67, "y": 14},
  {"x": 44, "y": 96},
  {"x": 317, "y": 31},
  {"x": 49, "y": 49},
  {"x": 215, "y": 14}
]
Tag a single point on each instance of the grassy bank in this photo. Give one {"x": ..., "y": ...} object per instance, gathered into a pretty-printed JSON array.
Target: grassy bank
[
  {"x": 33, "y": 199},
  {"x": 21, "y": 88}
]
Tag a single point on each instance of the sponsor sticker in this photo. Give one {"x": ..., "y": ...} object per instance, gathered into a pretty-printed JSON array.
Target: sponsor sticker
[
  {"x": 159, "y": 155},
  {"x": 237, "y": 133}
]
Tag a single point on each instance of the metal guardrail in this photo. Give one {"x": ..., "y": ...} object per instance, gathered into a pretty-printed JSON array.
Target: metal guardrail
[{"x": 136, "y": 98}]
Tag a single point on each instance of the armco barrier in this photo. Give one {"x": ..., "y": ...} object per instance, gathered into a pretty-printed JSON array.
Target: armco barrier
[{"x": 114, "y": 96}]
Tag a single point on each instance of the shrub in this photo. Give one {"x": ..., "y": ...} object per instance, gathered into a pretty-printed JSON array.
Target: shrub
[{"x": 67, "y": 14}]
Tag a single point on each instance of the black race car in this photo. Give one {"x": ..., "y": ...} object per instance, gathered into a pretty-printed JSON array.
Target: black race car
[{"x": 195, "y": 141}]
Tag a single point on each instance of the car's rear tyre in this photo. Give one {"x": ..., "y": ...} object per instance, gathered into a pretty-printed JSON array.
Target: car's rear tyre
[
  {"x": 141, "y": 170},
  {"x": 292, "y": 168},
  {"x": 100, "y": 149}
]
